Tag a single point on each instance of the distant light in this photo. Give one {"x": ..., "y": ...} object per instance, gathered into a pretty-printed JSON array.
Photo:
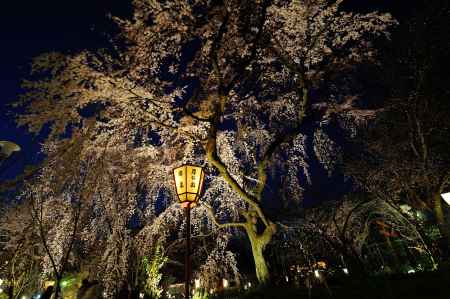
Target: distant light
[
  {"x": 411, "y": 271},
  {"x": 287, "y": 278},
  {"x": 345, "y": 270},
  {"x": 1, "y": 281},
  {"x": 245, "y": 287},
  {"x": 316, "y": 273},
  {"x": 197, "y": 283},
  {"x": 321, "y": 264},
  {"x": 104, "y": 294},
  {"x": 446, "y": 197},
  {"x": 225, "y": 283},
  {"x": 249, "y": 284},
  {"x": 141, "y": 295},
  {"x": 1, "y": 290}
]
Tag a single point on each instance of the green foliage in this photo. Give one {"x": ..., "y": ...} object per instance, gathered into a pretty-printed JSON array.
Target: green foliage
[
  {"x": 201, "y": 294},
  {"x": 153, "y": 273}
]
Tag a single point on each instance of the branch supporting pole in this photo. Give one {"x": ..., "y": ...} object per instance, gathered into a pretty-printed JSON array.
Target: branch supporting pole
[{"x": 187, "y": 265}]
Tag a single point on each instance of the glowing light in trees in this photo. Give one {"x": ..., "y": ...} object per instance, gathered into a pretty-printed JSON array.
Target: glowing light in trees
[
  {"x": 197, "y": 283},
  {"x": 446, "y": 197},
  {"x": 225, "y": 283}
]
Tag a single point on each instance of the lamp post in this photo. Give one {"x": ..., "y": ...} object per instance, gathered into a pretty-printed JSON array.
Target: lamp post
[
  {"x": 7, "y": 148},
  {"x": 188, "y": 184}
]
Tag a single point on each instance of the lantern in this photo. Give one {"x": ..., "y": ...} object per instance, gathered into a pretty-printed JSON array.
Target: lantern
[{"x": 188, "y": 184}]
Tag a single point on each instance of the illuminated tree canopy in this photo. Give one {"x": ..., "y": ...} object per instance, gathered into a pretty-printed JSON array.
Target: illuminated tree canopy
[{"x": 229, "y": 85}]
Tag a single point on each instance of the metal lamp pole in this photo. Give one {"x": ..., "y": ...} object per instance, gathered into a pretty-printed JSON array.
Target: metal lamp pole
[
  {"x": 187, "y": 267},
  {"x": 188, "y": 184}
]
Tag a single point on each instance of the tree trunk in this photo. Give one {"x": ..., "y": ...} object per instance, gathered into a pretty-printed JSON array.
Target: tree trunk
[
  {"x": 258, "y": 243},
  {"x": 262, "y": 272},
  {"x": 443, "y": 226},
  {"x": 356, "y": 263},
  {"x": 10, "y": 291},
  {"x": 57, "y": 288}
]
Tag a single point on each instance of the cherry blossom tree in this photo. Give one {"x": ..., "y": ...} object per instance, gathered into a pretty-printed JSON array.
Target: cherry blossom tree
[
  {"x": 20, "y": 250},
  {"x": 225, "y": 84},
  {"x": 56, "y": 220}
]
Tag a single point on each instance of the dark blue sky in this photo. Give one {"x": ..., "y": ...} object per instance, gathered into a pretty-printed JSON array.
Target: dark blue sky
[
  {"x": 31, "y": 27},
  {"x": 28, "y": 28}
]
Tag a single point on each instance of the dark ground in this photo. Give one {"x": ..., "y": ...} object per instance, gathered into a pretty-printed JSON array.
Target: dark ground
[{"x": 432, "y": 285}]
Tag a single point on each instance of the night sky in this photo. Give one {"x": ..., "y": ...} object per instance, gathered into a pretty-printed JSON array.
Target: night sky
[{"x": 28, "y": 28}]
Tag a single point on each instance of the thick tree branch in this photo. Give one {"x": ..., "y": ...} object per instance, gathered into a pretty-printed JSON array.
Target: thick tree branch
[
  {"x": 211, "y": 215},
  {"x": 302, "y": 91},
  {"x": 251, "y": 200},
  {"x": 211, "y": 146}
]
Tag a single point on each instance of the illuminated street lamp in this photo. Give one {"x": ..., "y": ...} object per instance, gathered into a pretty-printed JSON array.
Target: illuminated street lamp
[
  {"x": 446, "y": 197},
  {"x": 7, "y": 148},
  {"x": 188, "y": 181}
]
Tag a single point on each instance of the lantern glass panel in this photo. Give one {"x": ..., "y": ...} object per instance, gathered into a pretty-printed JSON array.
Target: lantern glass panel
[
  {"x": 193, "y": 179},
  {"x": 191, "y": 197},
  {"x": 180, "y": 179},
  {"x": 182, "y": 197}
]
